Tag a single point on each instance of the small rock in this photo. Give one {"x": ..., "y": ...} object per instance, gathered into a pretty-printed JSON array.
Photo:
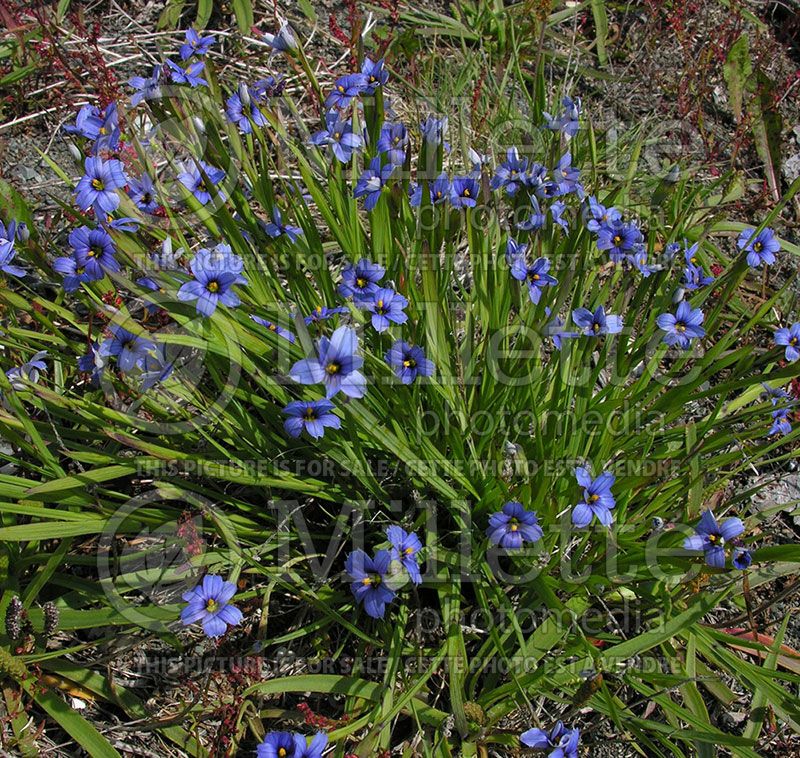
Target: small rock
[{"x": 791, "y": 167}]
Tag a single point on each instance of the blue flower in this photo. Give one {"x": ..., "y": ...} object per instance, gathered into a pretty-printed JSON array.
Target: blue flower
[
  {"x": 98, "y": 186},
  {"x": 215, "y": 273},
  {"x": 156, "y": 368},
  {"x": 780, "y": 422},
  {"x": 556, "y": 210},
  {"x": 311, "y": 415},
  {"x": 283, "y": 41},
  {"x": 638, "y": 259},
  {"x": 189, "y": 75},
  {"x": 776, "y": 395},
  {"x": 241, "y": 112},
  {"x": 477, "y": 162},
  {"x": 555, "y": 330},
  {"x": 92, "y": 363},
  {"x": 741, "y": 558},
  {"x": 147, "y": 88},
  {"x": 562, "y": 742},
  {"x": 285, "y": 745},
  {"x": 375, "y": 73},
  {"x": 209, "y": 603},
  {"x": 143, "y": 193},
  {"x": 360, "y": 280},
  {"x": 513, "y": 525},
  {"x": 510, "y": 174},
  {"x": 386, "y": 307},
  {"x": 336, "y": 365},
  {"x": 711, "y": 537},
  {"x": 368, "y": 581},
  {"x": 682, "y": 327},
  {"x": 7, "y": 251},
  {"x": 278, "y": 745},
  {"x": 515, "y": 250},
  {"x": 566, "y": 176},
  {"x": 74, "y": 275},
  {"x": 339, "y": 135},
  {"x": 535, "y": 275},
  {"x": 323, "y": 313},
  {"x": 439, "y": 191},
  {"x": 597, "y": 323},
  {"x": 694, "y": 278},
  {"x": 129, "y": 349},
  {"x": 760, "y": 248},
  {"x": 408, "y": 361},
  {"x": 670, "y": 251},
  {"x": 618, "y": 239},
  {"x": 597, "y": 499},
  {"x": 345, "y": 89},
  {"x": 279, "y": 330},
  {"x": 434, "y": 129},
  {"x": 270, "y": 86},
  {"x": 372, "y": 181},
  {"x": 393, "y": 141},
  {"x": 87, "y": 123},
  {"x": 94, "y": 251},
  {"x": 195, "y": 44},
  {"x": 464, "y": 192},
  {"x": 600, "y": 216},
  {"x": 276, "y": 227},
  {"x": 790, "y": 339},
  {"x": 100, "y": 126},
  {"x": 405, "y": 546},
  {"x": 192, "y": 178},
  {"x": 536, "y": 219},
  {"x": 28, "y": 372},
  {"x": 568, "y": 120}
]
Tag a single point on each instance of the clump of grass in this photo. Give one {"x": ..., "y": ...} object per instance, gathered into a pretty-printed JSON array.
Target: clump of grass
[{"x": 318, "y": 359}]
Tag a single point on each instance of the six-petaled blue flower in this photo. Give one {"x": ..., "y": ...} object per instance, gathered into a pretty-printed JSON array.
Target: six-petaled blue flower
[
  {"x": 597, "y": 499},
  {"x": 408, "y": 361},
  {"x": 683, "y": 326},
  {"x": 209, "y": 603},
  {"x": 512, "y": 526},
  {"x": 337, "y": 365},
  {"x": 368, "y": 583},
  {"x": 711, "y": 538},
  {"x": 312, "y": 415}
]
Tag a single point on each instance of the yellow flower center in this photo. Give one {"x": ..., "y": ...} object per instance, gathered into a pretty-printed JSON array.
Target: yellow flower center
[
  {"x": 361, "y": 282},
  {"x": 97, "y": 184},
  {"x": 211, "y": 605},
  {"x": 409, "y": 363},
  {"x": 212, "y": 287},
  {"x": 679, "y": 327},
  {"x": 617, "y": 239},
  {"x": 594, "y": 498},
  {"x": 333, "y": 368}
]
